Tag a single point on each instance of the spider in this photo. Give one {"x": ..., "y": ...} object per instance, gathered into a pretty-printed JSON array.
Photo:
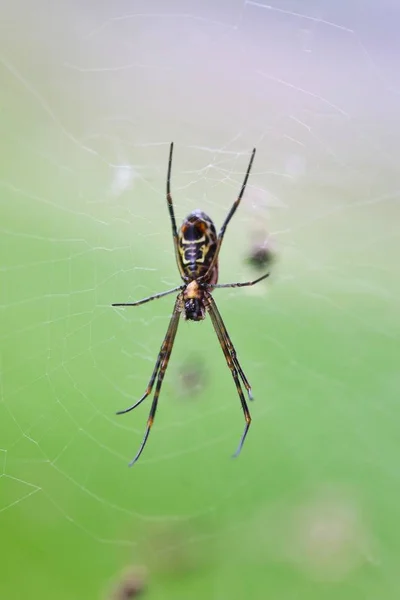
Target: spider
[{"x": 197, "y": 248}]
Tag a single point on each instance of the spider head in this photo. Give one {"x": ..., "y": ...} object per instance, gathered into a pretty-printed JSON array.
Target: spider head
[
  {"x": 194, "y": 309},
  {"x": 193, "y": 299}
]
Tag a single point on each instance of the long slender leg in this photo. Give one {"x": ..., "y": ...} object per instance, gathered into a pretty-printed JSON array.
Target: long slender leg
[
  {"x": 244, "y": 284},
  {"x": 231, "y": 348},
  {"x": 157, "y": 366},
  {"x": 232, "y": 362},
  {"x": 149, "y": 385},
  {"x": 154, "y": 297},
  {"x": 230, "y": 215},
  {"x": 171, "y": 212},
  {"x": 159, "y": 372},
  {"x": 153, "y": 409},
  {"x": 169, "y": 197},
  {"x": 237, "y": 201}
]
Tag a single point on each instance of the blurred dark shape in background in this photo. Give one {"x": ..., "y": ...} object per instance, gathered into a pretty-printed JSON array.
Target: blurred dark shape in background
[
  {"x": 192, "y": 376},
  {"x": 131, "y": 584},
  {"x": 262, "y": 253}
]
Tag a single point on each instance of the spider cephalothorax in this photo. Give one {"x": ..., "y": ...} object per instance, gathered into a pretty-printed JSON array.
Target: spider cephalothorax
[
  {"x": 197, "y": 247},
  {"x": 193, "y": 296}
]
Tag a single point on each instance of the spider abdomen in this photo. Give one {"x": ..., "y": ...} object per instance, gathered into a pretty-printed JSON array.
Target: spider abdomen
[{"x": 197, "y": 243}]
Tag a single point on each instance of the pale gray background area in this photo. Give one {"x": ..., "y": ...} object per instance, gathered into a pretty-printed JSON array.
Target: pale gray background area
[{"x": 313, "y": 85}]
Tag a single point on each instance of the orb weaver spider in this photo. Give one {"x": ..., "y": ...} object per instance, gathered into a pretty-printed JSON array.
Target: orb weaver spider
[{"x": 197, "y": 247}]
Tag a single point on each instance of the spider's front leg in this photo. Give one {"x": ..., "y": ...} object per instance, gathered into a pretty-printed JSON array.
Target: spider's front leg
[
  {"x": 233, "y": 364},
  {"x": 158, "y": 373}
]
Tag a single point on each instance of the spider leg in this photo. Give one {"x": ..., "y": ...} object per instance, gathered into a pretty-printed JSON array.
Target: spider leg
[
  {"x": 229, "y": 216},
  {"x": 149, "y": 386},
  {"x": 154, "y": 297},
  {"x": 169, "y": 197},
  {"x": 159, "y": 372},
  {"x": 231, "y": 349},
  {"x": 237, "y": 201},
  {"x": 172, "y": 213},
  {"x": 244, "y": 284},
  {"x": 155, "y": 371},
  {"x": 233, "y": 364}
]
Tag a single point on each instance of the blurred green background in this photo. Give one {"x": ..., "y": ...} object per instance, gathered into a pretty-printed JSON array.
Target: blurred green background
[{"x": 91, "y": 97}]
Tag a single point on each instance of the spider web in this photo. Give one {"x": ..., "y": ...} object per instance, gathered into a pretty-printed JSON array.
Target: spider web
[{"x": 91, "y": 97}]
